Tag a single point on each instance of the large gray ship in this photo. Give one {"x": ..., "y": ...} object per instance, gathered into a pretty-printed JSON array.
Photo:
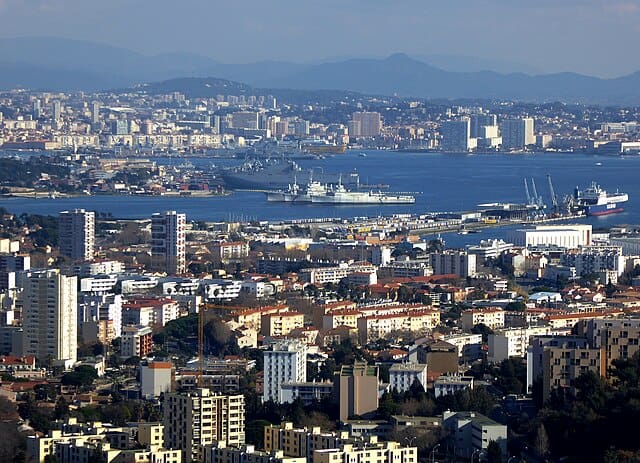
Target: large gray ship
[{"x": 279, "y": 174}]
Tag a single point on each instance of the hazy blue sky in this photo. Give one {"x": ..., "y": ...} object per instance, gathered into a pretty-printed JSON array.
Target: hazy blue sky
[{"x": 598, "y": 37}]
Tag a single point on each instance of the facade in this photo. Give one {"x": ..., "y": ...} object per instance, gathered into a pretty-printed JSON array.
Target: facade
[
  {"x": 450, "y": 384},
  {"x": 322, "y": 275},
  {"x": 456, "y": 136},
  {"x": 563, "y": 364},
  {"x": 230, "y": 250},
  {"x": 368, "y": 452},
  {"x": 281, "y": 323},
  {"x": 512, "y": 342},
  {"x": 300, "y": 442},
  {"x": 368, "y": 124},
  {"x": 168, "y": 242},
  {"x": 469, "y": 345},
  {"x": 306, "y": 392},
  {"x": 356, "y": 389},
  {"x": 453, "y": 262},
  {"x": 156, "y": 378},
  {"x": 565, "y": 236},
  {"x": 376, "y": 327},
  {"x": 198, "y": 418},
  {"x": 403, "y": 375},
  {"x": 285, "y": 362},
  {"x": 50, "y": 316},
  {"x": 535, "y": 353},
  {"x": 491, "y": 317},
  {"x": 619, "y": 338},
  {"x": 136, "y": 341},
  {"x": 517, "y": 134},
  {"x": 77, "y": 234},
  {"x": 472, "y": 432},
  {"x": 606, "y": 261},
  {"x": 246, "y": 454}
]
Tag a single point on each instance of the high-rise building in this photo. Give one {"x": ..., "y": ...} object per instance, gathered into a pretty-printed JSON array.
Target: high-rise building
[
  {"x": 245, "y": 120},
  {"x": 456, "y": 136},
  {"x": 477, "y": 121},
  {"x": 285, "y": 362},
  {"x": 197, "y": 418},
  {"x": 168, "y": 242},
  {"x": 50, "y": 317},
  {"x": 95, "y": 112},
  {"x": 57, "y": 110},
  {"x": 37, "y": 108},
  {"x": 77, "y": 234},
  {"x": 370, "y": 123},
  {"x": 356, "y": 389},
  {"x": 517, "y": 133},
  {"x": 120, "y": 127}
]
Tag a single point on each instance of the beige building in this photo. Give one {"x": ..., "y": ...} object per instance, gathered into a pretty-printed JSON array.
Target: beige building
[
  {"x": 338, "y": 318},
  {"x": 50, "y": 317},
  {"x": 280, "y": 324},
  {"x": 356, "y": 389},
  {"x": 492, "y": 317},
  {"x": 198, "y": 418},
  {"x": 300, "y": 442},
  {"x": 376, "y": 327},
  {"x": 619, "y": 338},
  {"x": 246, "y": 454},
  {"x": 75, "y": 442},
  {"x": 368, "y": 452},
  {"x": 562, "y": 365}
]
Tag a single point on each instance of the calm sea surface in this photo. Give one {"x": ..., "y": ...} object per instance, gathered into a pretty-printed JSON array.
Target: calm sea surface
[{"x": 442, "y": 182}]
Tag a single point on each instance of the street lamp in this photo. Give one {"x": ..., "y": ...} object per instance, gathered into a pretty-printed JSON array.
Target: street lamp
[
  {"x": 410, "y": 439},
  {"x": 433, "y": 453}
]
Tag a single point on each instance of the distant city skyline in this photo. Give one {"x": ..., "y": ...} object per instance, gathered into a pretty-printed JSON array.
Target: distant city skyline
[{"x": 585, "y": 36}]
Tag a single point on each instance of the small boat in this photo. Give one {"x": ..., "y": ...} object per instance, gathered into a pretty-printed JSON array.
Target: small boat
[
  {"x": 363, "y": 155},
  {"x": 599, "y": 164}
]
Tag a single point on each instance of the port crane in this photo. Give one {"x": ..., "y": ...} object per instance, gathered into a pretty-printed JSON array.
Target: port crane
[{"x": 554, "y": 198}]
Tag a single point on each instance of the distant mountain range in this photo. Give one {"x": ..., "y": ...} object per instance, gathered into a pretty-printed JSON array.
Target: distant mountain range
[{"x": 62, "y": 64}]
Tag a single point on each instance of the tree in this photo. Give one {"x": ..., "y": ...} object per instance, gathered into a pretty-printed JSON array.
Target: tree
[
  {"x": 541, "y": 442},
  {"x": 494, "y": 452},
  {"x": 482, "y": 329}
]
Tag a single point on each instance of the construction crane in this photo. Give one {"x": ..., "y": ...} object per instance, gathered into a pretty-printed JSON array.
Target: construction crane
[{"x": 554, "y": 198}]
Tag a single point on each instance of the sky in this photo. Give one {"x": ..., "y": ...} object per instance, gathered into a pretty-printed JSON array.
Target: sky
[{"x": 595, "y": 37}]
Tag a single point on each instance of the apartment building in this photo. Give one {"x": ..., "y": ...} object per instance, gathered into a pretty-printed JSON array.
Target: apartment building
[
  {"x": 492, "y": 317},
  {"x": 136, "y": 341},
  {"x": 50, "y": 316},
  {"x": 77, "y": 234},
  {"x": 403, "y": 375},
  {"x": 374, "y": 327},
  {"x": 281, "y": 323},
  {"x": 168, "y": 242},
  {"x": 563, "y": 364},
  {"x": 284, "y": 362},
  {"x": 198, "y": 418},
  {"x": 356, "y": 389},
  {"x": 512, "y": 342}
]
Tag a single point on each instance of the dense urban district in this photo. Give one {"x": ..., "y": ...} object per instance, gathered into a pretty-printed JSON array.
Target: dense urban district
[
  {"x": 166, "y": 340},
  {"x": 201, "y": 115}
]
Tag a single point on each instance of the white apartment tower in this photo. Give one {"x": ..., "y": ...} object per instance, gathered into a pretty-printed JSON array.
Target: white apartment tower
[
  {"x": 285, "y": 362},
  {"x": 77, "y": 234},
  {"x": 197, "y": 418},
  {"x": 50, "y": 316},
  {"x": 168, "y": 242}
]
